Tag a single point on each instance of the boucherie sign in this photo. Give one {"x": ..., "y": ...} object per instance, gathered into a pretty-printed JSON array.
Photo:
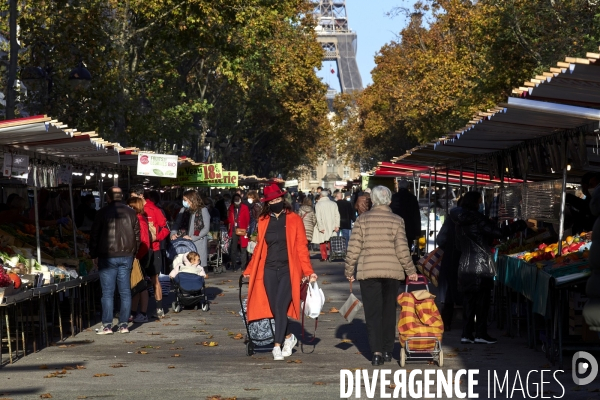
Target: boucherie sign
[{"x": 161, "y": 165}]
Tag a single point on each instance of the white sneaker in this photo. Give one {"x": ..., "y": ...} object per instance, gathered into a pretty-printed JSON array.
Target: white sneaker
[
  {"x": 277, "y": 356},
  {"x": 288, "y": 346},
  {"x": 140, "y": 318}
]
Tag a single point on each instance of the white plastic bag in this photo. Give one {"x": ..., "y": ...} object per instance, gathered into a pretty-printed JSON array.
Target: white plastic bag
[{"x": 314, "y": 301}]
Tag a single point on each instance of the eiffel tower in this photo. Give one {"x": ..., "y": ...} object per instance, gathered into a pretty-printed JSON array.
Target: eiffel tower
[{"x": 339, "y": 42}]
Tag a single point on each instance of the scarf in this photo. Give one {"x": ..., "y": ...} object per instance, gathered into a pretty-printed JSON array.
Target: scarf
[{"x": 185, "y": 223}]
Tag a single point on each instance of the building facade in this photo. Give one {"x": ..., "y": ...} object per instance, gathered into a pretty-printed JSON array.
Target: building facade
[{"x": 328, "y": 173}]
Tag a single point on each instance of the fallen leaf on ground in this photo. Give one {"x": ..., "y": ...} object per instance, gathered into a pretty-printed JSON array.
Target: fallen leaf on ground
[
  {"x": 333, "y": 310},
  {"x": 238, "y": 336},
  {"x": 171, "y": 366},
  {"x": 294, "y": 361},
  {"x": 68, "y": 368},
  {"x": 232, "y": 312},
  {"x": 63, "y": 346},
  {"x": 219, "y": 397},
  {"x": 43, "y": 366},
  {"x": 210, "y": 344},
  {"x": 346, "y": 341},
  {"x": 176, "y": 355},
  {"x": 392, "y": 386},
  {"x": 118, "y": 366},
  {"x": 147, "y": 347},
  {"x": 170, "y": 324},
  {"x": 176, "y": 348},
  {"x": 141, "y": 352},
  {"x": 45, "y": 396},
  {"x": 319, "y": 383},
  {"x": 80, "y": 367},
  {"x": 101, "y": 375},
  {"x": 221, "y": 294},
  {"x": 155, "y": 333}
]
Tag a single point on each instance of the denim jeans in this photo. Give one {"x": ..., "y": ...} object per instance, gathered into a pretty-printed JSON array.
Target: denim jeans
[
  {"x": 346, "y": 234},
  {"x": 115, "y": 271}
]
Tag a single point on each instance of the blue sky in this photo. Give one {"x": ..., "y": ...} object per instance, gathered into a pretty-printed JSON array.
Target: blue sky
[{"x": 374, "y": 29}]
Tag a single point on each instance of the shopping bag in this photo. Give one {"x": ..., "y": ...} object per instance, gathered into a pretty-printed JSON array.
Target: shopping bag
[
  {"x": 251, "y": 247},
  {"x": 138, "y": 283},
  {"x": 351, "y": 307},
  {"x": 429, "y": 265},
  {"x": 314, "y": 300}
]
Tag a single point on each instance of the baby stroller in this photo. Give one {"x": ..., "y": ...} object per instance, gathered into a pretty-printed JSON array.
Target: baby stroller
[
  {"x": 420, "y": 325},
  {"x": 189, "y": 289},
  {"x": 259, "y": 333},
  {"x": 179, "y": 246}
]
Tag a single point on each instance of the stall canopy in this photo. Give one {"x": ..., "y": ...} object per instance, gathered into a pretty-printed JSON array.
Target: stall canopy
[
  {"x": 43, "y": 136},
  {"x": 552, "y": 121}
]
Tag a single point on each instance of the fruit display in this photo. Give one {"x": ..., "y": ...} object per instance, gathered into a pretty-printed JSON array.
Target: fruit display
[
  {"x": 49, "y": 239},
  {"x": 5, "y": 280},
  {"x": 547, "y": 252}
]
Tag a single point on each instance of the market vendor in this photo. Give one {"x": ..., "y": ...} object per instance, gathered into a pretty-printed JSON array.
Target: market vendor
[
  {"x": 591, "y": 311},
  {"x": 85, "y": 213},
  {"x": 583, "y": 218},
  {"x": 15, "y": 214}
]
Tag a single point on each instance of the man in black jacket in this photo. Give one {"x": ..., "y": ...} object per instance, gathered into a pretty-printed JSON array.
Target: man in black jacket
[
  {"x": 406, "y": 205},
  {"x": 347, "y": 215},
  {"x": 114, "y": 241}
]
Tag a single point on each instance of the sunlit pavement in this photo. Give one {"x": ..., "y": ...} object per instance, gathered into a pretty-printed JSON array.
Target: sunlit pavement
[{"x": 168, "y": 358}]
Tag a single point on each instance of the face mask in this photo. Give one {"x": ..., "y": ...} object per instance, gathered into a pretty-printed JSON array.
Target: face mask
[
  {"x": 277, "y": 207},
  {"x": 348, "y": 199},
  {"x": 250, "y": 201},
  {"x": 186, "y": 204},
  {"x": 237, "y": 203},
  {"x": 481, "y": 210}
]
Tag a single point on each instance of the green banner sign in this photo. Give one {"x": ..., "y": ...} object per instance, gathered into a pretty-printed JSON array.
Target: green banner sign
[
  {"x": 229, "y": 179},
  {"x": 195, "y": 174}
]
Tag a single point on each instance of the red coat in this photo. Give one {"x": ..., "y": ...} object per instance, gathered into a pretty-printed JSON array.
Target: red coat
[
  {"x": 144, "y": 237},
  {"x": 243, "y": 222},
  {"x": 300, "y": 266},
  {"x": 156, "y": 218}
]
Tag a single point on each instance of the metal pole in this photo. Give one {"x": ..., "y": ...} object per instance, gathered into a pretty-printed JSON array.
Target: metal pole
[
  {"x": 37, "y": 217},
  {"x": 447, "y": 188},
  {"x": 12, "y": 63},
  {"x": 419, "y": 189},
  {"x": 414, "y": 184},
  {"x": 563, "y": 200},
  {"x": 435, "y": 210},
  {"x": 73, "y": 219},
  {"x": 461, "y": 182},
  {"x": 428, "y": 215},
  {"x": 475, "y": 179}
]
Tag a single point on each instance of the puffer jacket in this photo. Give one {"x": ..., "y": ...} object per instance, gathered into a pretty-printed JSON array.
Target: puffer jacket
[
  {"x": 310, "y": 220},
  {"x": 591, "y": 311},
  {"x": 474, "y": 235},
  {"x": 115, "y": 232},
  {"x": 378, "y": 247}
]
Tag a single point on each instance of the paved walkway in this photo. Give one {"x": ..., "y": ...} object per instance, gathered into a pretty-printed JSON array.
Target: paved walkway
[{"x": 167, "y": 358}]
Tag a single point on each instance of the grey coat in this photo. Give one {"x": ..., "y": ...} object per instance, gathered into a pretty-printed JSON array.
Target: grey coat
[{"x": 200, "y": 240}]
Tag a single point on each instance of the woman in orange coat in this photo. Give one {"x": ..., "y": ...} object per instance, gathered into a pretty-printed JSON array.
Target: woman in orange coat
[{"x": 280, "y": 262}]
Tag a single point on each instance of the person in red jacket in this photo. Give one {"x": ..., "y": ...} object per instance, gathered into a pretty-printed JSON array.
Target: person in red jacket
[
  {"x": 239, "y": 219},
  {"x": 157, "y": 223},
  {"x": 143, "y": 255}
]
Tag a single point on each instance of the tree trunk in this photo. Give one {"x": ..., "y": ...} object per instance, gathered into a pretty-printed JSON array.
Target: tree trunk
[{"x": 12, "y": 66}]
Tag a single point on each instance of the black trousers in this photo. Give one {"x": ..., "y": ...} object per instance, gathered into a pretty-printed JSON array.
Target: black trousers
[
  {"x": 233, "y": 252},
  {"x": 379, "y": 303},
  {"x": 476, "y": 307},
  {"x": 279, "y": 291}
]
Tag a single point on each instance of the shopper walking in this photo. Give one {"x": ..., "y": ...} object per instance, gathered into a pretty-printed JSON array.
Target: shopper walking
[
  {"x": 363, "y": 202},
  {"x": 114, "y": 241},
  {"x": 281, "y": 260},
  {"x": 474, "y": 235},
  {"x": 307, "y": 214},
  {"x": 379, "y": 259},
  {"x": 328, "y": 223},
  {"x": 143, "y": 255},
  {"x": 255, "y": 210},
  {"x": 159, "y": 231},
  {"x": 239, "y": 221},
  {"x": 347, "y": 215},
  {"x": 193, "y": 223},
  {"x": 405, "y": 205}
]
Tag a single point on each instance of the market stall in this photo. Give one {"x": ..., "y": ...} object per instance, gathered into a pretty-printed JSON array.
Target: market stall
[
  {"x": 45, "y": 270},
  {"x": 546, "y": 135}
]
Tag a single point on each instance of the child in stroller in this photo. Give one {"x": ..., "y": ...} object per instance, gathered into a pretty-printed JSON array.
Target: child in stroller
[{"x": 187, "y": 279}]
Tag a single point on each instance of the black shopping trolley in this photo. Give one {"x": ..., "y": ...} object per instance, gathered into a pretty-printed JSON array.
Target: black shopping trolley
[{"x": 258, "y": 333}]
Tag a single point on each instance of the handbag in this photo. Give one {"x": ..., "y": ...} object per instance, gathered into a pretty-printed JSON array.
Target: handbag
[
  {"x": 429, "y": 265},
  {"x": 490, "y": 272},
  {"x": 351, "y": 307},
  {"x": 138, "y": 283},
  {"x": 240, "y": 232}
]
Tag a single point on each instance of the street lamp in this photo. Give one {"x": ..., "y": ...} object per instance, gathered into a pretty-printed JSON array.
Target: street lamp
[{"x": 80, "y": 77}]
